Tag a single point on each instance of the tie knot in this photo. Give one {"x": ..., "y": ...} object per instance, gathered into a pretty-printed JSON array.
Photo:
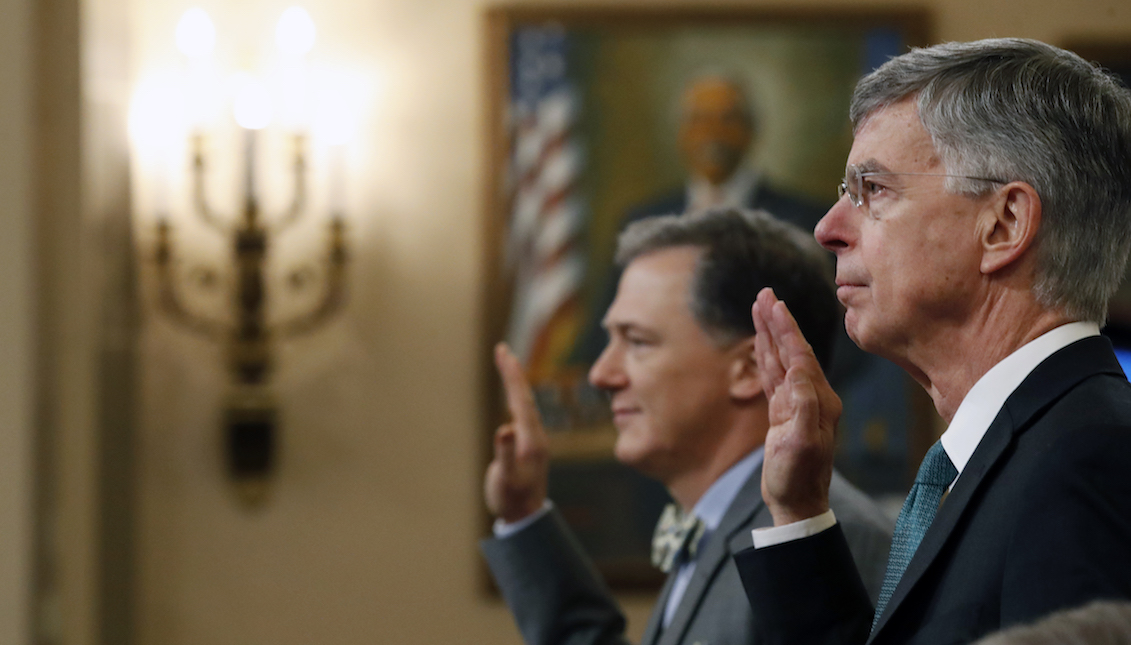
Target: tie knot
[
  {"x": 937, "y": 469},
  {"x": 676, "y": 533}
]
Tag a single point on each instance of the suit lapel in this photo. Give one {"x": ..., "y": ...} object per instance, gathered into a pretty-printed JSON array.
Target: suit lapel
[
  {"x": 1051, "y": 380},
  {"x": 726, "y": 540}
]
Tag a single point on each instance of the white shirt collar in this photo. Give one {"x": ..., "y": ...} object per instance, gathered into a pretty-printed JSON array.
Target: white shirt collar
[
  {"x": 735, "y": 192},
  {"x": 714, "y": 503},
  {"x": 983, "y": 402}
]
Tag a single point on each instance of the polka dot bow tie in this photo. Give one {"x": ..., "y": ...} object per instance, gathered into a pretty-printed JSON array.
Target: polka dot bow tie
[{"x": 677, "y": 534}]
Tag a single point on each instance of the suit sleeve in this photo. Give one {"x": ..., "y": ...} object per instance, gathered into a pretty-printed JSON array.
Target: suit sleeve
[
  {"x": 553, "y": 590},
  {"x": 806, "y": 591},
  {"x": 1072, "y": 543}
]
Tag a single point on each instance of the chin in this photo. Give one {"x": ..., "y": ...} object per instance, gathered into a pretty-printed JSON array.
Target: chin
[
  {"x": 631, "y": 454},
  {"x": 625, "y": 453},
  {"x": 855, "y": 330}
]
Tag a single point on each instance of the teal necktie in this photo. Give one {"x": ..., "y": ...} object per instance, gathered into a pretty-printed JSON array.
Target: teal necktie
[{"x": 935, "y": 474}]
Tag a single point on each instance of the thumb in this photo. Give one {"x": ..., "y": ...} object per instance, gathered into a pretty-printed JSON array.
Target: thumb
[{"x": 505, "y": 448}]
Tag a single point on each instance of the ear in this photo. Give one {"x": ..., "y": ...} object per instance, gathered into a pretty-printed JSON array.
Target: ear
[
  {"x": 745, "y": 381},
  {"x": 1009, "y": 226}
]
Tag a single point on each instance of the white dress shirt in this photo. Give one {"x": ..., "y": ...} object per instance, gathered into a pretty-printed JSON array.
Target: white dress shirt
[
  {"x": 711, "y": 508},
  {"x": 732, "y": 193},
  {"x": 970, "y": 422}
]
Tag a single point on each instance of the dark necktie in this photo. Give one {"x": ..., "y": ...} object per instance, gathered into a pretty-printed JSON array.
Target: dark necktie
[
  {"x": 935, "y": 474},
  {"x": 677, "y": 534}
]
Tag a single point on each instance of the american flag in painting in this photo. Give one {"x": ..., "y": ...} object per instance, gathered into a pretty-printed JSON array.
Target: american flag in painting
[{"x": 547, "y": 214}]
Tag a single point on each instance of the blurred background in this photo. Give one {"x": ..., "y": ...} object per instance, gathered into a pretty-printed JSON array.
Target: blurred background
[{"x": 161, "y": 483}]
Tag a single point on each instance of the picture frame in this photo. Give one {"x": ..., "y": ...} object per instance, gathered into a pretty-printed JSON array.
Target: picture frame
[{"x": 582, "y": 104}]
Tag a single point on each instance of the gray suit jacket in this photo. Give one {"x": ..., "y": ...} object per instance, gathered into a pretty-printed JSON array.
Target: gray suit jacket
[{"x": 557, "y": 597}]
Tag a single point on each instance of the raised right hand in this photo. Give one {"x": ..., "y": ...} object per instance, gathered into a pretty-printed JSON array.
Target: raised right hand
[
  {"x": 515, "y": 485},
  {"x": 804, "y": 411}
]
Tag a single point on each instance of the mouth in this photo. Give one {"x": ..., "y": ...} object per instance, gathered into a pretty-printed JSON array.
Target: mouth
[
  {"x": 621, "y": 414},
  {"x": 845, "y": 288}
]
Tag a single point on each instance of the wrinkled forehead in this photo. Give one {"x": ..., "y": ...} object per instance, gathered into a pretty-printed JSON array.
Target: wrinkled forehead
[{"x": 890, "y": 138}]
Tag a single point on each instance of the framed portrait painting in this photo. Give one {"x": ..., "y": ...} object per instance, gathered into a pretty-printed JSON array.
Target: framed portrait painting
[{"x": 585, "y": 107}]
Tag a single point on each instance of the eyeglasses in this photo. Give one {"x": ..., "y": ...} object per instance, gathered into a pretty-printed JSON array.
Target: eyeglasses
[{"x": 853, "y": 183}]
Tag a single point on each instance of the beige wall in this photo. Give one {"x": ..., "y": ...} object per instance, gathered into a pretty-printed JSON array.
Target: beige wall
[
  {"x": 369, "y": 536},
  {"x": 16, "y": 334}
]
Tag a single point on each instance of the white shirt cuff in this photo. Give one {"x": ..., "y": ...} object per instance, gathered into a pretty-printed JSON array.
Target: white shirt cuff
[
  {"x": 772, "y": 535},
  {"x": 506, "y": 529}
]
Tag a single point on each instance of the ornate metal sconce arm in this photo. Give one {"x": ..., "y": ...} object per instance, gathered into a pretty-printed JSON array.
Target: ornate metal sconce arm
[
  {"x": 167, "y": 298},
  {"x": 334, "y": 296},
  {"x": 199, "y": 200},
  {"x": 298, "y": 200}
]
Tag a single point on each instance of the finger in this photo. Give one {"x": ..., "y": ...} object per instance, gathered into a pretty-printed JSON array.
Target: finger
[
  {"x": 800, "y": 356},
  {"x": 520, "y": 398},
  {"x": 505, "y": 449},
  {"x": 804, "y": 400},
  {"x": 765, "y": 351},
  {"x": 792, "y": 347}
]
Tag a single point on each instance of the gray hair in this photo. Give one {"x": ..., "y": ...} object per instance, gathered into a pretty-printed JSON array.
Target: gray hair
[
  {"x": 1099, "y": 623},
  {"x": 744, "y": 251},
  {"x": 1021, "y": 110}
]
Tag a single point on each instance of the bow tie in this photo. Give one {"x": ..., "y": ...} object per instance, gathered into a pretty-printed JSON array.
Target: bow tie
[{"x": 676, "y": 534}]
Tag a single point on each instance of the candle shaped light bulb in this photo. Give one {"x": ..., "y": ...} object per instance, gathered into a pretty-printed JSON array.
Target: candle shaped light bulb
[
  {"x": 337, "y": 128},
  {"x": 294, "y": 38},
  {"x": 295, "y": 32},
  {"x": 196, "y": 35},
  {"x": 252, "y": 109}
]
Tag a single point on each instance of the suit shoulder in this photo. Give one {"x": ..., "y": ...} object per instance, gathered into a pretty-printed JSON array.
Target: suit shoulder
[
  {"x": 854, "y": 508},
  {"x": 1095, "y": 415}
]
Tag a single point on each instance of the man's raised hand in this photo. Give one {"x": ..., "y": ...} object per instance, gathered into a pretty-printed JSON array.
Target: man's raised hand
[
  {"x": 804, "y": 412},
  {"x": 515, "y": 485}
]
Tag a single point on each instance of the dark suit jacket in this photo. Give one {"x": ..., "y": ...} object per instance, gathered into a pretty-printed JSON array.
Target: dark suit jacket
[
  {"x": 557, "y": 596},
  {"x": 1039, "y": 520}
]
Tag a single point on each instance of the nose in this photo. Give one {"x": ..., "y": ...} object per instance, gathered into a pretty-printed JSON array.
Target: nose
[
  {"x": 607, "y": 372},
  {"x": 834, "y": 231}
]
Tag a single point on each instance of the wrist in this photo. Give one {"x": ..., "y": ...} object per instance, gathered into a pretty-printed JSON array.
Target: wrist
[
  {"x": 504, "y": 529},
  {"x": 521, "y": 510},
  {"x": 796, "y": 513}
]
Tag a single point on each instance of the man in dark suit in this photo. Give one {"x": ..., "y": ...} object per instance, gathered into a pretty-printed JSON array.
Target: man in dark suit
[
  {"x": 689, "y": 410},
  {"x": 982, "y": 228}
]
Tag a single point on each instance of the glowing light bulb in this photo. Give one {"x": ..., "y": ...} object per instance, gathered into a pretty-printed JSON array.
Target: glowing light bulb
[
  {"x": 337, "y": 117},
  {"x": 252, "y": 106},
  {"x": 196, "y": 35},
  {"x": 157, "y": 114},
  {"x": 294, "y": 35}
]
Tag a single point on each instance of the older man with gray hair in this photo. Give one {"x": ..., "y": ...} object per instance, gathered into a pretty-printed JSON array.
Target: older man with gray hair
[{"x": 982, "y": 227}]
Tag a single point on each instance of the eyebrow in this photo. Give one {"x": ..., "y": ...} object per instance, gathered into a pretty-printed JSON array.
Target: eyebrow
[
  {"x": 624, "y": 326},
  {"x": 609, "y": 326},
  {"x": 870, "y": 165}
]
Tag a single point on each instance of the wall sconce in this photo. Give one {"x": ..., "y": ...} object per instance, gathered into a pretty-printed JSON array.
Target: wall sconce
[{"x": 249, "y": 331}]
